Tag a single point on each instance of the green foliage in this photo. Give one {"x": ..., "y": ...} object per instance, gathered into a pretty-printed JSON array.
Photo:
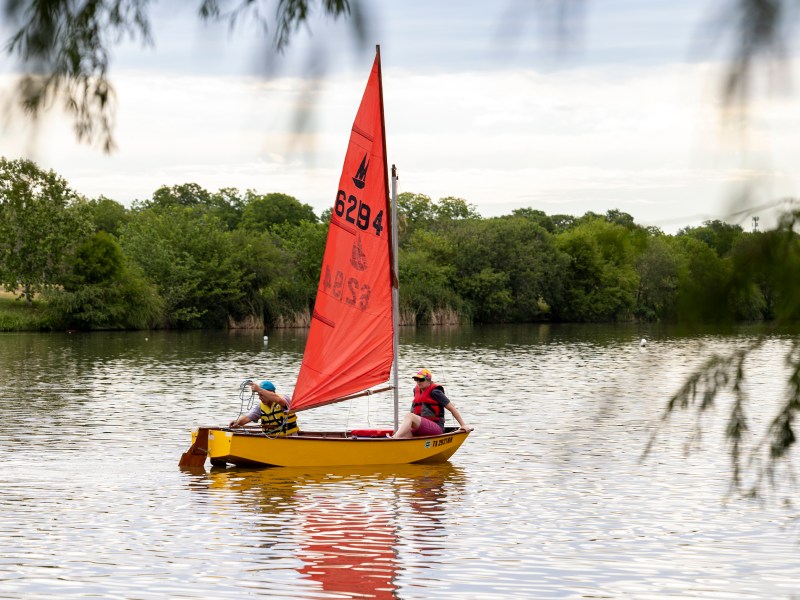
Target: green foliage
[
  {"x": 95, "y": 260},
  {"x": 101, "y": 291},
  {"x": 186, "y": 194},
  {"x": 108, "y": 215},
  {"x": 507, "y": 268},
  {"x": 227, "y": 205},
  {"x": 417, "y": 212},
  {"x": 190, "y": 258},
  {"x": 659, "y": 269},
  {"x": 40, "y": 217},
  {"x": 537, "y": 216},
  {"x": 258, "y": 256},
  {"x": 427, "y": 278},
  {"x": 127, "y": 301},
  {"x": 762, "y": 268},
  {"x": 21, "y": 316},
  {"x": 189, "y": 255},
  {"x": 452, "y": 209},
  {"x": 704, "y": 283},
  {"x": 262, "y": 213},
  {"x": 716, "y": 234},
  {"x": 620, "y": 218},
  {"x": 600, "y": 281},
  {"x": 294, "y": 288},
  {"x": 414, "y": 211}
]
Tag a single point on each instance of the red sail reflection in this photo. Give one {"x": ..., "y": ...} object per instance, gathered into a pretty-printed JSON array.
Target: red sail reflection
[{"x": 350, "y": 548}]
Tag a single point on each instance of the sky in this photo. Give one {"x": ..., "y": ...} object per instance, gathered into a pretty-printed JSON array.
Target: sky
[{"x": 483, "y": 101}]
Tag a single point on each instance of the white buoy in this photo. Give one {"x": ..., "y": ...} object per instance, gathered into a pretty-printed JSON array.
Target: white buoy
[
  {"x": 643, "y": 343},
  {"x": 266, "y": 340}
]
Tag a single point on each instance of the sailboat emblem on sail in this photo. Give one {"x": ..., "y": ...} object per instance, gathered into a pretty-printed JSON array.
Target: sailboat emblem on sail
[
  {"x": 358, "y": 258},
  {"x": 361, "y": 175}
]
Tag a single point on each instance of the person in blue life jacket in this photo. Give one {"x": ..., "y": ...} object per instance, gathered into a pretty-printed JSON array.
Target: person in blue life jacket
[
  {"x": 272, "y": 411},
  {"x": 427, "y": 410}
]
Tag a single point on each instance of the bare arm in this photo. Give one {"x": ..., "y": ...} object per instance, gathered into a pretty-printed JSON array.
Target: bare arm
[
  {"x": 241, "y": 420},
  {"x": 451, "y": 407}
]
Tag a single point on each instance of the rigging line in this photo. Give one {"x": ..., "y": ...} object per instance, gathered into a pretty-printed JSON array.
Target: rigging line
[
  {"x": 774, "y": 203},
  {"x": 731, "y": 215},
  {"x": 243, "y": 399}
]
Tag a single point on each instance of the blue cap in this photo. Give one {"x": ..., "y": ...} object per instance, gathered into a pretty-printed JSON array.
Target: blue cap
[{"x": 267, "y": 385}]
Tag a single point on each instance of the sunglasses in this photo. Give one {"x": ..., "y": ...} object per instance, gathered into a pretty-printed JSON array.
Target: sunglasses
[{"x": 418, "y": 378}]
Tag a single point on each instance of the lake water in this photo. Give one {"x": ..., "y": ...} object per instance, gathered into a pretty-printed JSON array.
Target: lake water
[{"x": 548, "y": 498}]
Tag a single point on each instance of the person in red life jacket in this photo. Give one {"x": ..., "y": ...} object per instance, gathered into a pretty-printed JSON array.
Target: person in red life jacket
[
  {"x": 272, "y": 410},
  {"x": 427, "y": 411}
]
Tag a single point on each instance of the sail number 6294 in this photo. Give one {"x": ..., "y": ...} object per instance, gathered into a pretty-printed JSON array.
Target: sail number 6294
[{"x": 357, "y": 212}]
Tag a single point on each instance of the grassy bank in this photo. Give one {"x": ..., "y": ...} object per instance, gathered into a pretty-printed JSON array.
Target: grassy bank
[{"x": 17, "y": 315}]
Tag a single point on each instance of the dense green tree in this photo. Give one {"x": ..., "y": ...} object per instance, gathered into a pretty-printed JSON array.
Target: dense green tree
[
  {"x": 600, "y": 282},
  {"x": 185, "y": 194},
  {"x": 704, "y": 283},
  {"x": 658, "y": 268},
  {"x": 620, "y": 218},
  {"x": 189, "y": 255},
  {"x": 294, "y": 287},
  {"x": 227, "y": 204},
  {"x": 427, "y": 278},
  {"x": 260, "y": 258},
  {"x": 537, "y": 216},
  {"x": 108, "y": 215},
  {"x": 452, "y": 208},
  {"x": 508, "y": 268},
  {"x": 763, "y": 274},
  {"x": 716, "y": 234},
  {"x": 414, "y": 211},
  {"x": 100, "y": 291},
  {"x": 262, "y": 213},
  {"x": 96, "y": 259},
  {"x": 40, "y": 219},
  {"x": 563, "y": 223}
]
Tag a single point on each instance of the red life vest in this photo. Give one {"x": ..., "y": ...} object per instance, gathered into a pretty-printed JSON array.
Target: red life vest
[{"x": 423, "y": 399}]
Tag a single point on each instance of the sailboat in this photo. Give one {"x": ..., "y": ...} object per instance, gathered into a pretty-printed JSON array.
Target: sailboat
[{"x": 353, "y": 340}]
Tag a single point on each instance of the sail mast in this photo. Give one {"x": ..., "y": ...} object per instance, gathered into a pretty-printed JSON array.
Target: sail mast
[
  {"x": 395, "y": 302},
  {"x": 392, "y": 249}
]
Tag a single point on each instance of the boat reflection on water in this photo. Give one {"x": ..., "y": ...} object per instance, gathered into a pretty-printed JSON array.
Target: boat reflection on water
[{"x": 351, "y": 527}]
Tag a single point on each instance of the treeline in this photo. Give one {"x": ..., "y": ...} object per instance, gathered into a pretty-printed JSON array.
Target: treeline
[{"x": 190, "y": 258}]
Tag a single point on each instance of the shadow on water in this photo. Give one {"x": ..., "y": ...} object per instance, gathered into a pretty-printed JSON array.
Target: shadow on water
[{"x": 349, "y": 526}]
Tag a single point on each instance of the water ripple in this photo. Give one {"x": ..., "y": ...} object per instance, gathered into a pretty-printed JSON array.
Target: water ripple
[{"x": 549, "y": 498}]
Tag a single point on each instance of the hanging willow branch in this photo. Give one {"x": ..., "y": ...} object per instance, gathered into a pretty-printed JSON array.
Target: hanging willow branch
[
  {"x": 774, "y": 255},
  {"x": 63, "y": 48}
]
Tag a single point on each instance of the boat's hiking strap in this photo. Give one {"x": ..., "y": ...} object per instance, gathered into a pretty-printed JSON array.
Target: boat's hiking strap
[{"x": 370, "y": 433}]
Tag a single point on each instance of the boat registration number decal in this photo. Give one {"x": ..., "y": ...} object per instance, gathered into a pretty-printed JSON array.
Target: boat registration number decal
[{"x": 437, "y": 443}]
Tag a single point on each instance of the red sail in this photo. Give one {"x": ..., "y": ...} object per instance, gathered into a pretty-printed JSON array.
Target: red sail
[{"x": 349, "y": 346}]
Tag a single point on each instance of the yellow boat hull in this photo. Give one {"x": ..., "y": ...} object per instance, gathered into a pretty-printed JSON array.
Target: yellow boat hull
[{"x": 325, "y": 449}]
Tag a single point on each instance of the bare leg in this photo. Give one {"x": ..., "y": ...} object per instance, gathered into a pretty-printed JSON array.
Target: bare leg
[{"x": 409, "y": 424}]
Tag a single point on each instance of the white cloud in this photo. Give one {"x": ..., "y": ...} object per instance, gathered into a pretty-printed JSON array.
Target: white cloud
[{"x": 643, "y": 139}]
